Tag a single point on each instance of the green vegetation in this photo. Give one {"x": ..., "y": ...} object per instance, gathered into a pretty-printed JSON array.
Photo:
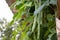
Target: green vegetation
[{"x": 34, "y": 20}]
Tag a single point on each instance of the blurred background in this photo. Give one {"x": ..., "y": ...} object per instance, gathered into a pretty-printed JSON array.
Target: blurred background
[{"x": 31, "y": 20}]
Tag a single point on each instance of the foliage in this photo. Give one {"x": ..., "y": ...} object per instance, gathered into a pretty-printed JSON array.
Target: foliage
[{"x": 34, "y": 20}]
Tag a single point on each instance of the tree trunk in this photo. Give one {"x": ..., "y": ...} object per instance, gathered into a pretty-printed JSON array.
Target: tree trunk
[{"x": 58, "y": 8}]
